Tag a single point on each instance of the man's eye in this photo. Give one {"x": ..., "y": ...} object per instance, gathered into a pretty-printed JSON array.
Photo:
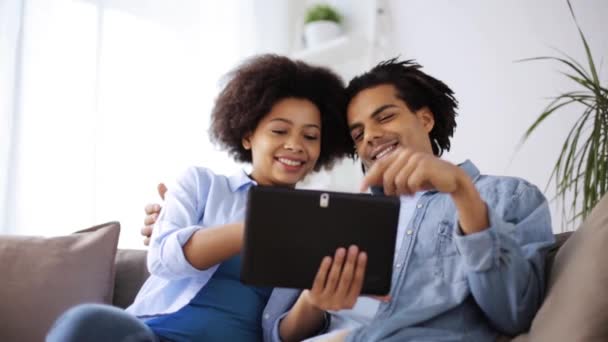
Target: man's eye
[
  {"x": 386, "y": 117},
  {"x": 311, "y": 137}
]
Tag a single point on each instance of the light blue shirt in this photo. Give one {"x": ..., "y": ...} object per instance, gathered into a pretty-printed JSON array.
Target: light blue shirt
[
  {"x": 451, "y": 287},
  {"x": 199, "y": 199}
]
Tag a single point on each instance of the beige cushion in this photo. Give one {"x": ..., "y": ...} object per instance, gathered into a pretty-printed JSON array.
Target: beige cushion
[
  {"x": 42, "y": 277},
  {"x": 576, "y": 305}
]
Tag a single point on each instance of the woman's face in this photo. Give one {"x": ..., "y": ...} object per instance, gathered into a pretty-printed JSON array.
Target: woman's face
[{"x": 286, "y": 143}]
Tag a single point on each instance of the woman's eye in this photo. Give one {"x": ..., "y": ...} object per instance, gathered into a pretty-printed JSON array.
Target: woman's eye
[
  {"x": 311, "y": 137},
  {"x": 278, "y": 131},
  {"x": 357, "y": 136}
]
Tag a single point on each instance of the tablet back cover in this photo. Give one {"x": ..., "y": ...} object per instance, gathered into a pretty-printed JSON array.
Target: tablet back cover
[{"x": 288, "y": 232}]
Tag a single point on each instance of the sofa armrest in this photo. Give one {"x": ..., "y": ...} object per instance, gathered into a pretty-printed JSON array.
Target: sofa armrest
[{"x": 131, "y": 273}]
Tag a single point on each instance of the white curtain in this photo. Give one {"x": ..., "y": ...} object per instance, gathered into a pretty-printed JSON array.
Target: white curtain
[
  {"x": 104, "y": 99},
  {"x": 10, "y": 38}
]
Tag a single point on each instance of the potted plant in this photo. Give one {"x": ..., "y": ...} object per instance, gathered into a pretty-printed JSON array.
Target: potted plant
[
  {"x": 321, "y": 24},
  {"x": 581, "y": 170}
]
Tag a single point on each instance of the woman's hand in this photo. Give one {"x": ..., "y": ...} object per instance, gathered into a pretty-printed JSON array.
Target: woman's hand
[
  {"x": 339, "y": 280},
  {"x": 336, "y": 286}
]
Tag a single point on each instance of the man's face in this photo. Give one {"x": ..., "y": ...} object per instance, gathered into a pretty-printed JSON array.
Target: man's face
[{"x": 380, "y": 122}]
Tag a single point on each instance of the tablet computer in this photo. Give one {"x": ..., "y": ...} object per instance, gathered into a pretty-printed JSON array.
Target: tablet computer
[{"x": 289, "y": 231}]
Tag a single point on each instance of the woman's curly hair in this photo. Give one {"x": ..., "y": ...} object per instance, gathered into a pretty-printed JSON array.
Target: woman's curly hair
[
  {"x": 253, "y": 88},
  {"x": 417, "y": 90}
]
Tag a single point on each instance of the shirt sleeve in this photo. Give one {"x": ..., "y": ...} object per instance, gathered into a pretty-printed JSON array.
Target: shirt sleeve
[
  {"x": 506, "y": 262},
  {"x": 182, "y": 210},
  {"x": 276, "y": 336}
]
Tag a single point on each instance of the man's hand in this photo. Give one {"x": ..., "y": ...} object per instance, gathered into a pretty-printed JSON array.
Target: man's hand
[
  {"x": 406, "y": 172},
  {"x": 339, "y": 281},
  {"x": 152, "y": 211}
]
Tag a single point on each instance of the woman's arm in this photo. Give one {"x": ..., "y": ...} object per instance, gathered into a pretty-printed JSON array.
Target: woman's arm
[
  {"x": 210, "y": 246},
  {"x": 303, "y": 320}
]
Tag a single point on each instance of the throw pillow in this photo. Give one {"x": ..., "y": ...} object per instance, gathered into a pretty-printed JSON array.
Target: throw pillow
[
  {"x": 576, "y": 304},
  {"x": 40, "y": 278}
]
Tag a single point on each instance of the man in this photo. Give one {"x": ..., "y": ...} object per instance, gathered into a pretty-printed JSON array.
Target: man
[{"x": 470, "y": 254}]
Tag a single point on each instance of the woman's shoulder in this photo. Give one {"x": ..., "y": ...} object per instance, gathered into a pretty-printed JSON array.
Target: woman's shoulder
[{"x": 201, "y": 177}]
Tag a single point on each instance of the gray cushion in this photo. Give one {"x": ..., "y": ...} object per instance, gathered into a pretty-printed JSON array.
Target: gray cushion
[
  {"x": 42, "y": 277},
  {"x": 131, "y": 273},
  {"x": 576, "y": 305}
]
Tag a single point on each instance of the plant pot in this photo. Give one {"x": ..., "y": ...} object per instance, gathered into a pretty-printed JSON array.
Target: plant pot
[{"x": 318, "y": 32}]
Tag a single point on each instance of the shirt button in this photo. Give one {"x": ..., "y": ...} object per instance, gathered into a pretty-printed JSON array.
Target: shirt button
[
  {"x": 397, "y": 265},
  {"x": 419, "y": 206},
  {"x": 409, "y": 232},
  {"x": 266, "y": 316}
]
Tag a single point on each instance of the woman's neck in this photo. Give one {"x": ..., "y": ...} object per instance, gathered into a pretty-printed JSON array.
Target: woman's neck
[{"x": 269, "y": 183}]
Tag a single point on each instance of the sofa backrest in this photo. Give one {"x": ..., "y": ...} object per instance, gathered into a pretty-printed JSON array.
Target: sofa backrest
[{"x": 131, "y": 273}]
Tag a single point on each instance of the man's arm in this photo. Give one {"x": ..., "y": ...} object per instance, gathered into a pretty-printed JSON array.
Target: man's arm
[
  {"x": 406, "y": 172},
  {"x": 505, "y": 259},
  {"x": 506, "y": 262}
]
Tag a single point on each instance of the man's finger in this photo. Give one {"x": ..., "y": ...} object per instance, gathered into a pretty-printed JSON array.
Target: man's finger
[
  {"x": 401, "y": 180},
  {"x": 162, "y": 189},
  {"x": 150, "y": 219},
  {"x": 153, "y": 208},
  {"x": 146, "y": 231},
  {"x": 391, "y": 171},
  {"x": 146, "y": 241},
  {"x": 373, "y": 176}
]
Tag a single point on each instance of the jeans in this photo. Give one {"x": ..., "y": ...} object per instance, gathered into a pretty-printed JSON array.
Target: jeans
[{"x": 97, "y": 322}]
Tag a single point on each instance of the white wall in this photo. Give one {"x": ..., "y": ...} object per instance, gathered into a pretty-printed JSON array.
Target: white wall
[{"x": 472, "y": 45}]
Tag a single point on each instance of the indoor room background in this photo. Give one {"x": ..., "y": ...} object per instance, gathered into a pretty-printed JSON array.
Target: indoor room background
[{"x": 100, "y": 100}]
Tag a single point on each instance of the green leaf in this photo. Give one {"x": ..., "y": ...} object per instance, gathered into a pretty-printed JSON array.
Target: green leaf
[
  {"x": 322, "y": 12},
  {"x": 580, "y": 173}
]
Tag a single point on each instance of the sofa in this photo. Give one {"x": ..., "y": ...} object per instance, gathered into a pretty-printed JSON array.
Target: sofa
[{"x": 87, "y": 267}]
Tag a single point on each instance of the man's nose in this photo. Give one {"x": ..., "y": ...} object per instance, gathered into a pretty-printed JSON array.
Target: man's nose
[{"x": 372, "y": 134}]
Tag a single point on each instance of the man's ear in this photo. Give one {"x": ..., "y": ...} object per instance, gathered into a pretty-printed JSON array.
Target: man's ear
[
  {"x": 246, "y": 141},
  {"x": 427, "y": 118}
]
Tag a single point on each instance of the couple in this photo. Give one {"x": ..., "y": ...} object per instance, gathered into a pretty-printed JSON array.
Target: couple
[{"x": 469, "y": 259}]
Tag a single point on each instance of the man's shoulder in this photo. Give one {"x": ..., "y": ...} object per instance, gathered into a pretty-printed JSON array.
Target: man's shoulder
[
  {"x": 511, "y": 197},
  {"x": 505, "y": 185}
]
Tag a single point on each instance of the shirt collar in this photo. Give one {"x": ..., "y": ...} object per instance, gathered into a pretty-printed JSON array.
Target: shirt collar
[
  {"x": 239, "y": 180},
  {"x": 467, "y": 166}
]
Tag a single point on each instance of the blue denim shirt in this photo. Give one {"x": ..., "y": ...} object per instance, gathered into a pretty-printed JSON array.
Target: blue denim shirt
[{"x": 451, "y": 287}]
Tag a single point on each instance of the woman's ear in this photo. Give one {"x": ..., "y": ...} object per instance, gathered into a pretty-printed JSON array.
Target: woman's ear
[
  {"x": 246, "y": 141},
  {"x": 427, "y": 119}
]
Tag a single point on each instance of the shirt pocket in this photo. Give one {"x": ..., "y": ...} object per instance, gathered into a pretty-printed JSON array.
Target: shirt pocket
[
  {"x": 447, "y": 262},
  {"x": 444, "y": 240}
]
